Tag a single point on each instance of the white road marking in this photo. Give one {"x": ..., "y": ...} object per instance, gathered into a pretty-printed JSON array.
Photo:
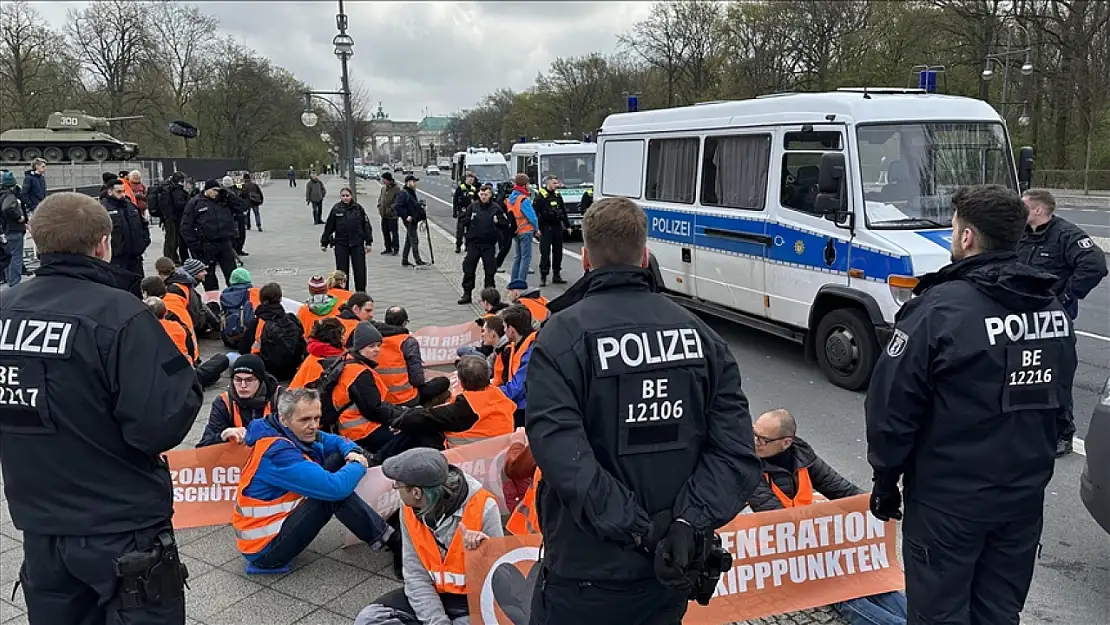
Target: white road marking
[{"x": 1092, "y": 335}]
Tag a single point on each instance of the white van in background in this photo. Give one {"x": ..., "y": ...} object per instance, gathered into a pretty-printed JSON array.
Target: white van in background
[
  {"x": 572, "y": 162},
  {"x": 809, "y": 215}
]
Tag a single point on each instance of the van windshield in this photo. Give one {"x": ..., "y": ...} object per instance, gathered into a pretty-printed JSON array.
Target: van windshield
[
  {"x": 490, "y": 172},
  {"x": 910, "y": 171},
  {"x": 573, "y": 170}
]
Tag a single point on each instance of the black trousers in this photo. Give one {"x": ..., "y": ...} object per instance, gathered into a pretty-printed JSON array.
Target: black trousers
[
  {"x": 460, "y": 227},
  {"x": 430, "y": 390},
  {"x": 129, "y": 263},
  {"x": 412, "y": 241},
  {"x": 551, "y": 250},
  {"x": 71, "y": 579},
  {"x": 172, "y": 246},
  {"x": 317, "y": 213},
  {"x": 557, "y": 601},
  {"x": 220, "y": 254},
  {"x": 351, "y": 260},
  {"x": 454, "y": 605},
  {"x": 504, "y": 246},
  {"x": 389, "y": 231},
  {"x": 241, "y": 222},
  {"x": 209, "y": 371},
  {"x": 961, "y": 572},
  {"x": 475, "y": 251}
]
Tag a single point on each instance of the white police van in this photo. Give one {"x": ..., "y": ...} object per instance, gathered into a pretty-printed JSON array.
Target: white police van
[
  {"x": 572, "y": 162},
  {"x": 809, "y": 215}
]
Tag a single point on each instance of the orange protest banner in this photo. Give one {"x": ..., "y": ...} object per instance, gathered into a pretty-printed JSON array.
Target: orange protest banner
[
  {"x": 205, "y": 482},
  {"x": 783, "y": 561},
  {"x": 438, "y": 344}
]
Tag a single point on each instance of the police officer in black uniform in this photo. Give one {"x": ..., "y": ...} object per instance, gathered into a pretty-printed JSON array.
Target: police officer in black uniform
[
  {"x": 1061, "y": 248},
  {"x": 482, "y": 222},
  {"x": 637, "y": 421},
  {"x": 94, "y": 392},
  {"x": 209, "y": 228},
  {"x": 465, "y": 194},
  {"x": 130, "y": 232},
  {"x": 554, "y": 223},
  {"x": 963, "y": 407}
]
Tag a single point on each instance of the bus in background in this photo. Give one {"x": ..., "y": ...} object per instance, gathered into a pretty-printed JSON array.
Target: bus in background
[{"x": 808, "y": 215}]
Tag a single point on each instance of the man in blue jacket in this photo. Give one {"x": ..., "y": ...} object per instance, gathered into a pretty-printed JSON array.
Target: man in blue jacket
[
  {"x": 519, "y": 206},
  {"x": 296, "y": 480},
  {"x": 518, "y": 327},
  {"x": 34, "y": 185}
]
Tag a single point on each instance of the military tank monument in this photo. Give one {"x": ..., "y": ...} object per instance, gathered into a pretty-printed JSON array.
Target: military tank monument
[{"x": 69, "y": 135}]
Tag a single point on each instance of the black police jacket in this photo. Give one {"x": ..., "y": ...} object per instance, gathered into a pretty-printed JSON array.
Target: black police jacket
[
  {"x": 207, "y": 221},
  {"x": 1062, "y": 249},
  {"x": 634, "y": 408},
  {"x": 550, "y": 210},
  {"x": 93, "y": 391},
  {"x": 483, "y": 223},
  {"x": 464, "y": 195},
  {"x": 964, "y": 400},
  {"x": 130, "y": 232},
  {"x": 347, "y": 224}
]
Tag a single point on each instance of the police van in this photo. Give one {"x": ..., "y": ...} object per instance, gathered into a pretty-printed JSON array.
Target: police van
[
  {"x": 487, "y": 166},
  {"x": 808, "y": 215},
  {"x": 572, "y": 162}
]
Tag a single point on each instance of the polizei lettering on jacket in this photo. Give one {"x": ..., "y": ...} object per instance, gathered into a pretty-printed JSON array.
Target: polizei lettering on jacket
[
  {"x": 1030, "y": 326},
  {"x": 634, "y": 350},
  {"x": 36, "y": 337}
]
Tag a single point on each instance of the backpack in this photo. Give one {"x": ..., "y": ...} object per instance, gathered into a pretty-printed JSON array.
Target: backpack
[
  {"x": 325, "y": 386},
  {"x": 236, "y": 313},
  {"x": 282, "y": 343},
  {"x": 159, "y": 201}
]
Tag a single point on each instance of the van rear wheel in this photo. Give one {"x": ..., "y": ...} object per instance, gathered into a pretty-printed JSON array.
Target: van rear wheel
[{"x": 846, "y": 348}]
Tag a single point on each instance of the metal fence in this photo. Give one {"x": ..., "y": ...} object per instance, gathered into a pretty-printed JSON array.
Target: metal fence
[{"x": 74, "y": 176}]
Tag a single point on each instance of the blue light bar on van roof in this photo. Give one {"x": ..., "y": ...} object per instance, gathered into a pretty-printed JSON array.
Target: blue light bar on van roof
[
  {"x": 633, "y": 103},
  {"x": 927, "y": 81}
]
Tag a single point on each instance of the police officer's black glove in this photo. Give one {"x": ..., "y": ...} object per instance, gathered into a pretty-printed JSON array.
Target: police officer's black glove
[
  {"x": 886, "y": 499},
  {"x": 675, "y": 554},
  {"x": 660, "y": 525}
]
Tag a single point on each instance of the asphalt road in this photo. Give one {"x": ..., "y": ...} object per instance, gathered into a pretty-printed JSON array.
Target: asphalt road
[{"x": 1073, "y": 572}]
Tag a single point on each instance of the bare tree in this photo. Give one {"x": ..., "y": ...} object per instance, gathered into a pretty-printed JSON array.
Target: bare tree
[
  {"x": 658, "y": 42},
  {"x": 29, "y": 58},
  {"x": 111, "y": 38},
  {"x": 182, "y": 36}
]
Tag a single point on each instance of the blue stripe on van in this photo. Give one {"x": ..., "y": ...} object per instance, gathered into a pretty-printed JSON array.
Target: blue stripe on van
[
  {"x": 942, "y": 238},
  {"x": 789, "y": 245}
]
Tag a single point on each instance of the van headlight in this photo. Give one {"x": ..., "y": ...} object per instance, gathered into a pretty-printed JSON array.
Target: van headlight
[{"x": 901, "y": 288}]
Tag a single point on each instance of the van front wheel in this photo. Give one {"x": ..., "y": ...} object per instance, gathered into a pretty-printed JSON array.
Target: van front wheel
[{"x": 846, "y": 348}]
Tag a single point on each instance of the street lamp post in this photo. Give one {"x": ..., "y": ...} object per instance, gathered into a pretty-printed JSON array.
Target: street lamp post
[
  {"x": 1003, "y": 58},
  {"x": 344, "y": 49}
]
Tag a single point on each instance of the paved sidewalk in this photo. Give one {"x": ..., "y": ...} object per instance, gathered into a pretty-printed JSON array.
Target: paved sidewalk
[{"x": 329, "y": 584}]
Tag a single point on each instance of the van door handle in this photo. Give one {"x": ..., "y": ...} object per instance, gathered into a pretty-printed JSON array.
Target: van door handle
[{"x": 746, "y": 237}]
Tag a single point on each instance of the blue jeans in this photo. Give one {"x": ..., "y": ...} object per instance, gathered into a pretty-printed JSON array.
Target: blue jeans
[
  {"x": 14, "y": 270},
  {"x": 305, "y": 522},
  {"x": 257, "y": 217},
  {"x": 523, "y": 260},
  {"x": 888, "y": 608}
]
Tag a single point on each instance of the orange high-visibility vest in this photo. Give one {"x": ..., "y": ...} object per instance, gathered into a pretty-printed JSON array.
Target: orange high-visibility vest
[
  {"x": 495, "y": 416},
  {"x": 257, "y": 521},
  {"x": 309, "y": 371},
  {"x": 233, "y": 409},
  {"x": 309, "y": 318},
  {"x": 129, "y": 192},
  {"x": 518, "y": 355},
  {"x": 499, "y": 366},
  {"x": 253, "y": 294},
  {"x": 179, "y": 306},
  {"x": 523, "y": 226},
  {"x": 537, "y": 306},
  {"x": 803, "y": 497},
  {"x": 352, "y": 425},
  {"x": 448, "y": 573},
  {"x": 340, "y": 294},
  {"x": 395, "y": 371},
  {"x": 256, "y": 347},
  {"x": 348, "y": 327},
  {"x": 182, "y": 337},
  {"x": 526, "y": 519}
]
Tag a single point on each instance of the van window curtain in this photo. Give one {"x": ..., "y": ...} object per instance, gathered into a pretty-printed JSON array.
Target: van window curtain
[
  {"x": 742, "y": 166},
  {"x": 675, "y": 169}
]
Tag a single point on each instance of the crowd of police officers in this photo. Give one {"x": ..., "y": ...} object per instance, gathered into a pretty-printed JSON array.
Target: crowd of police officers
[{"x": 962, "y": 411}]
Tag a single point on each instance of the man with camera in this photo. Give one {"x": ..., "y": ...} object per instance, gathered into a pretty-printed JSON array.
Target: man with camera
[{"x": 628, "y": 508}]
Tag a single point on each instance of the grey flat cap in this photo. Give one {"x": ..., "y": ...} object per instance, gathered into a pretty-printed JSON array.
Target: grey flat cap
[{"x": 422, "y": 467}]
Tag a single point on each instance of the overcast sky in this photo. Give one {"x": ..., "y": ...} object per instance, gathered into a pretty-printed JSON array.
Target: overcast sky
[{"x": 417, "y": 57}]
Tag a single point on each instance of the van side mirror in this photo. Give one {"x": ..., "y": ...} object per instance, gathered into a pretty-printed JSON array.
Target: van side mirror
[
  {"x": 1025, "y": 168},
  {"x": 831, "y": 197}
]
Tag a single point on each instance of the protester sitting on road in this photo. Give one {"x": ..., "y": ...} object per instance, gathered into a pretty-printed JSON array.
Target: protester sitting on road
[
  {"x": 792, "y": 473},
  {"x": 445, "y": 513},
  {"x": 518, "y": 327},
  {"x": 494, "y": 348},
  {"x": 402, "y": 367},
  {"x": 354, "y": 403},
  {"x": 490, "y": 300},
  {"x": 519, "y": 293},
  {"x": 481, "y": 411},
  {"x": 153, "y": 286},
  {"x": 320, "y": 304},
  {"x": 252, "y": 395},
  {"x": 237, "y": 305},
  {"x": 180, "y": 281},
  {"x": 209, "y": 371},
  {"x": 360, "y": 307},
  {"x": 275, "y": 335},
  {"x": 324, "y": 341},
  {"x": 296, "y": 479},
  {"x": 337, "y": 286}
]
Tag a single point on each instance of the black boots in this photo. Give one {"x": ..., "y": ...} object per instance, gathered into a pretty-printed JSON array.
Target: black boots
[
  {"x": 543, "y": 279},
  {"x": 558, "y": 279},
  {"x": 465, "y": 299}
]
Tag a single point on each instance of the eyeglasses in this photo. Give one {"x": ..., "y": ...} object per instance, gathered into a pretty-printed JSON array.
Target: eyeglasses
[
  {"x": 243, "y": 381},
  {"x": 763, "y": 440}
]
